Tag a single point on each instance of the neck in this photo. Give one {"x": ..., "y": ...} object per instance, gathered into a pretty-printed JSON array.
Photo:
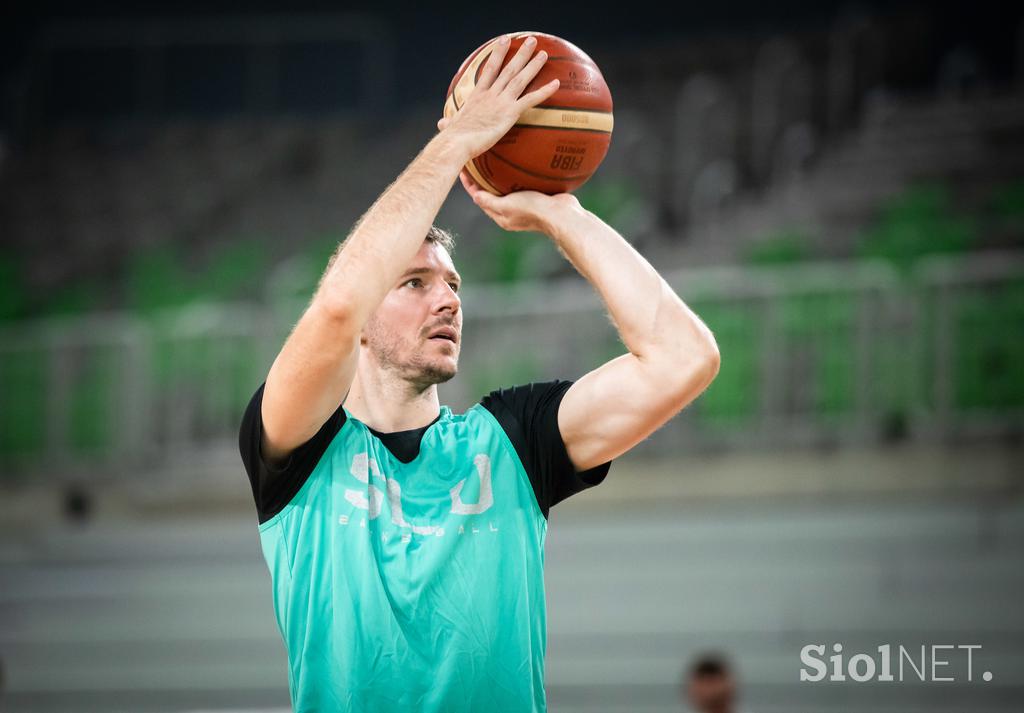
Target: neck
[{"x": 387, "y": 403}]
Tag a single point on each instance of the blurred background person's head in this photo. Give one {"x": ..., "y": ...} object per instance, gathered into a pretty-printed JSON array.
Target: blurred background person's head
[{"x": 710, "y": 685}]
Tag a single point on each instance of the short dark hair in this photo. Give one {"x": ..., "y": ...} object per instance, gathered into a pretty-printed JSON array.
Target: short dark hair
[
  {"x": 710, "y": 664},
  {"x": 442, "y": 237},
  {"x": 436, "y": 235}
]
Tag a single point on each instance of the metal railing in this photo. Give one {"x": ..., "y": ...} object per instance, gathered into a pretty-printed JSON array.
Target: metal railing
[{"x": 812, "y": 354}]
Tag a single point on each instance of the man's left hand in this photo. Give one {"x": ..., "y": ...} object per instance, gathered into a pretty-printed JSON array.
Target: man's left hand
[{"x": 521, "y": 210}]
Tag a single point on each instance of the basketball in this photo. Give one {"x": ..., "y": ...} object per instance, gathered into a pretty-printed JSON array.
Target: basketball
[{"x": 556, "y": 146}]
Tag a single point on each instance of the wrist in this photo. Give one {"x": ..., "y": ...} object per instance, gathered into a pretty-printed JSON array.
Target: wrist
[
  {"x": 448, "y": 151},
  {"x": 566, "y": 217}
]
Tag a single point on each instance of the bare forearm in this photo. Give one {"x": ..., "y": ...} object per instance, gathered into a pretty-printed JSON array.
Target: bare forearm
[
  {"x": 388, "y": 235},
  {"x": 652, "y": 320}
]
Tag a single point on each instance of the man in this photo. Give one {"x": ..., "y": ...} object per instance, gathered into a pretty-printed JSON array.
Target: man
[
  {"x": 711, "y": 686},
  {"x": 405, "y": 542}
]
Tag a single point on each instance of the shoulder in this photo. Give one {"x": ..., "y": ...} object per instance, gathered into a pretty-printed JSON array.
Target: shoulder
[
  {"x": 528, "y": 414},
  {"x": 275, "y": 484},
  {"x": 525, "y": 400}
]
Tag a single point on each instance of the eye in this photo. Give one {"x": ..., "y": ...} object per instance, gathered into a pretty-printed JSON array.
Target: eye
[
  {"x": 454, "y": 286},
  {"x": 414, "y": 279}
]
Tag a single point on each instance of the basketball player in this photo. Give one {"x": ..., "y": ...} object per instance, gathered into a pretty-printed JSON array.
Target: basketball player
[{"x": 406, "y": 542}]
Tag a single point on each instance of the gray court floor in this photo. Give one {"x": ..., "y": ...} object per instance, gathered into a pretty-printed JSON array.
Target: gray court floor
[{"x": 174, "y": 613}]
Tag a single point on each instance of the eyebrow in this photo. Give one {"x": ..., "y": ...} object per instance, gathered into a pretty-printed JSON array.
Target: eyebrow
[{"x": 426, "y": 271}]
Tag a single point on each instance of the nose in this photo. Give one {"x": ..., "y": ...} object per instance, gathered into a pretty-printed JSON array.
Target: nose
[{"x": 449, "y": 300}]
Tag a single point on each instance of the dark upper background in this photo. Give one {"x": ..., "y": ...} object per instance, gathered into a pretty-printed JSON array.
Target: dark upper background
[{"x": 433, "y": 38}]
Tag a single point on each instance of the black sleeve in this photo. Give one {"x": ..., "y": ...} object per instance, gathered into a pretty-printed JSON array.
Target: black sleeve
[
  {"x": 529, "y": 415},
  {"x": 273, "y": 488}
]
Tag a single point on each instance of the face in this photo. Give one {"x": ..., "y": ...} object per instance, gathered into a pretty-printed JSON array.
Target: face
[
  {"x": 712, "y": 694},
  {"x": 402, "y": 334}
]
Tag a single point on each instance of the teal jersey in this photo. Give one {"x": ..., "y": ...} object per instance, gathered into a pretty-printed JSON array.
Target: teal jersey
[{"x": 415, "y": 584}]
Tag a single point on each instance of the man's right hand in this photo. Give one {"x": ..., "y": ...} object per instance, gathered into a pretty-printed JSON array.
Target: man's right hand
[{"x": 495, "y": 104}]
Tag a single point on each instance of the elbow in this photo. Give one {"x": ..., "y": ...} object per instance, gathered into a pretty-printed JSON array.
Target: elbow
[
  {"x": 704, "y": 368},
  {"x": 694, "y": 345},
  {"x": 689, "y": 371},
  {"x": 712, "y": 361},
  {"x": 705, "y": 361},
  {"x": 707, "y": 356},
  {"x": 338, "y": 311}
]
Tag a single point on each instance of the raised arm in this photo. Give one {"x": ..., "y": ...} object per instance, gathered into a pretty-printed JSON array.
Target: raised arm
[
  {"x": 672, "y": 356},
  {"x": 316, "y": 366}
]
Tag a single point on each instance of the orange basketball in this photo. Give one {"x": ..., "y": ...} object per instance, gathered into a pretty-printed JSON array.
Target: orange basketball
[{"x": 557, "y": 145}]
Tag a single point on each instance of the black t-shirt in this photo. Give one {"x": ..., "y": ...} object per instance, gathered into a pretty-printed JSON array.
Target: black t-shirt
[{"x": 528, "y": 414}]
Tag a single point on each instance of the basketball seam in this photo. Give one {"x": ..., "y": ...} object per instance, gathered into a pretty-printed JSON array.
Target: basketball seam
[
  {"x": 563, "y": 128},
  {"x": 478, "y": 174},
  {"x": 573, "y": 108}
]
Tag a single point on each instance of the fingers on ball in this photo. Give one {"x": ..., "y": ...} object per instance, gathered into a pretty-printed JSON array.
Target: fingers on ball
[
  {"x": 520, "y": 66},
  {"x": 538, "y": 95},
  {"x": 493, "y": 65}
]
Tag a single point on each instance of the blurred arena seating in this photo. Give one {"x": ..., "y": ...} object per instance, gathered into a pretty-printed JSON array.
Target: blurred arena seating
[
  {"x": 834, "y": 257},
  {"x": 917, "y": 207}
]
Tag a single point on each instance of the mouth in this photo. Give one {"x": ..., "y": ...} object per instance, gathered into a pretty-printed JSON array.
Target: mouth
[{"x": 444, "y": 334}]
